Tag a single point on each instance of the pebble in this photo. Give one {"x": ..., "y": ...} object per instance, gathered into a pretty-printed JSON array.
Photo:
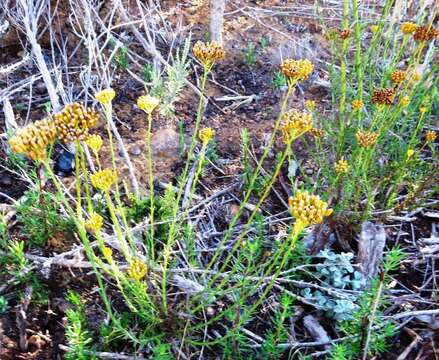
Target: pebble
[
  {"x": 165, "y": 144},
  {"x": 136, "y": 150},
  {"x": 309, "y": 171}
]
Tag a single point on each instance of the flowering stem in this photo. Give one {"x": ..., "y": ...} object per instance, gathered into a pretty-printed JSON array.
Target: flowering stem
[
  {"x": 151, "y": 186},
  {"x": 172, "y": 228},
  {"x": 254, "y": 177}
]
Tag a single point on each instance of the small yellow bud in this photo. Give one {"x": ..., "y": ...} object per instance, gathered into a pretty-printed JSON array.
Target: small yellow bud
[
  {"x": 104, "y": 179},
  {"x": 310, "y": 105},
  {"x": 108, "y": 253},
  {"x": 430, "y": 136},
  {"x": 374, "y": 28},
  {"x": 206, "y": 135},
  {"x": 341, "y": 166},
  {"x": 405, "y": 101},
  {"x": 105, "y": 96},
  {"x": 410, "y": 153},
  {"x": 423, "y": 109},
  {"x": 94, "y": 142},
  {"x": 357, "y": 104},
  {"x": 408, "y": 28},
  {"x": 94, "y": 223},
  {"x": 147, "y": 103},
  {"x": 137, "y": 269}
]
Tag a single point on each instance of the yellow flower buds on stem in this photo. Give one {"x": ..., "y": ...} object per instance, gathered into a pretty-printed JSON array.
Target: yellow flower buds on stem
[
  {"x": 147, "y": 103},
  {"x": 308, "y": 210},
  {"x": 296, "y": 70},
  {"x": 206, "y": 134},
  {"x": 104, "y": 179},
  {"x": 105, "y": 97},
  {"x": 137, "y": 269},
  {"x": 295, "y": 124},
  {"x": 208, "y": 53}
]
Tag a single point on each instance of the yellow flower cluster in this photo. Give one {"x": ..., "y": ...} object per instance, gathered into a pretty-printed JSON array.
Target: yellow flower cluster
[
  {"x": 103, "y": 179},
  {"x": 94, "y": 142},
  {"x": 425, "y": 33},
  {"x": 410, "y": 153},
  {"x": 94, "y": 223},
  {"x": 206, "y": 134},
  {"x": 405, "y": 100},
  {"x": 398, "y": 76},
  {"x": 137, "y": 269},
  {"x": 408, "y": 28},
  {"x": 308, "y": 209},
  {"x": 208, "y": 52},
  {"x": 147, "y": 103},
  {"x": 374, "y": 28},
  {"x": 357, "y": 104},
  {"x": 310, "y": 105},
  {"x": 108, "y": 253},
  {"x": 317, "y": 133},
  {"x": 105, "y": 96},
  {"x": 341, "y": 166},
  {"x": 383, "y": 96},
  {"x": 33, "y": 139},
  {"x": 296, "y": 123},
  {"x": 297, "y": 69},
  {"x": 366, "y": 138},
  {"x": 430, "y": 136},
  {"x": 74, "y": 121},
  {"x": 344, "y": 33}
]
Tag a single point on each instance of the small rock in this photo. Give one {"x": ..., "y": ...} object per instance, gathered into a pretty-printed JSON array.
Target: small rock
[
  {"x": 165, "y": 144},
  {"x": 135, "y": 150},
  {"x": 309, "y": 171}
]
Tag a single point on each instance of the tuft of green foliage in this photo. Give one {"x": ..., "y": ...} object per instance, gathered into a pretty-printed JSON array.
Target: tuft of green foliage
[
  {"x": 40, "y": 219},
  {"x": 250, "y": 54},
  {"x": 78, "y": 337}
]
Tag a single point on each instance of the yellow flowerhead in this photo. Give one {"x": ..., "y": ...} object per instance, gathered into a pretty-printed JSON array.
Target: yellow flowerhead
[
  {"x": 74, "y": 122},
  {"x": 374, "y": 28},
  {"x": 416, "y": 76},
  {"x": 408, "y": 28},
  {"x": 341, "y": 166},
  {"x": 381, "y": 96},
  {"x": 94, "y": 142},
  {"x": 296, "y": 123},
  {"x": 317, "y": 133},
  {"x": 366, "y": 138},
  {"x": 398, "y": 76},
  {"x": 423, "y": 109},
  {"x": 147, "y": 103},
  {"x": 430, "y": 136},
  {"x": 357, "y": 104},
  {"x": 425, "y": 33},
  {"x": 105, "y": 96},
  {"x": 310, "y": 105},
  {"x": 137, "y": 269},
  {"x": 405, "y": 101},
  {"x": 33, "y": 139},
  {"x": 308, "y": 209},
  {"x": 108, "y": 253},
  {"x": 103, "y": 179},
  {"x": 206, "y": 135},
  {"x": 410, "y": 153},
  {"x": 297, "y": 69},
  {"x": 94, "y": 223},
  {"x": 208, "y": 52}
]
